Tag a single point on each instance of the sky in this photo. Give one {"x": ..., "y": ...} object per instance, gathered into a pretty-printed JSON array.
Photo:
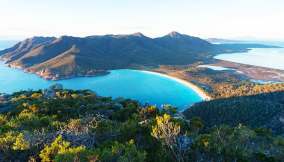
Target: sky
[{"x": 247, "y": 19}]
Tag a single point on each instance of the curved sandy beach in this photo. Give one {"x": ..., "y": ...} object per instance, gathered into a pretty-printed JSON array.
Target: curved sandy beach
[{"x": 198, "y": 90}]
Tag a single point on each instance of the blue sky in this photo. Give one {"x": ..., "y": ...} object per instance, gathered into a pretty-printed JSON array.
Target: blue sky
[{"x": 262, "y": 19}]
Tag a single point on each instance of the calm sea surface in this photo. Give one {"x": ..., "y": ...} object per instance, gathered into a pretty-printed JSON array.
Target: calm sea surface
[
  {"x": 142, "y": 86},
  {"x": 264, "y": 57},
  {"x": 138, "y": 85}
]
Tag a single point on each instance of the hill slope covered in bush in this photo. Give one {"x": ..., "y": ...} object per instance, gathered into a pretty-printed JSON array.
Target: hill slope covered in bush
[{"x": 66, "y": 125}]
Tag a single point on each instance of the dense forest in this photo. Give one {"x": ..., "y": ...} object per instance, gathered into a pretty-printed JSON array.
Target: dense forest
[
  {"x": 264, "y": 110},
  {"x": 66, "y": 125}
]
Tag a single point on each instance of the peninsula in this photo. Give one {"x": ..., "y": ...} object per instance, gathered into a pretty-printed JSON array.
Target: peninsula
[{"x": 66, "y": 57}]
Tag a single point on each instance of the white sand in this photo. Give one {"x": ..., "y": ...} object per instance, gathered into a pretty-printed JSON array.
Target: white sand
[{"x": 198, "y": 90}]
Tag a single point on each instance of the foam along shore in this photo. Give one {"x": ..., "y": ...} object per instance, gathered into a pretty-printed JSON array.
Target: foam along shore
[{"x": 190, "y": 85}]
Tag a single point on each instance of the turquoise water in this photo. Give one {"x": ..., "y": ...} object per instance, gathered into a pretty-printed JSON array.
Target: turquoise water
[
  {"x": 264, "y": 57},
  {"x": 142, "y": 86}
]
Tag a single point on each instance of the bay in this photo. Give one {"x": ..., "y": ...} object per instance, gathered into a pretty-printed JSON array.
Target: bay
[
  {"x": 134, "y": 84},
  {"x": 263, "y": 57}
]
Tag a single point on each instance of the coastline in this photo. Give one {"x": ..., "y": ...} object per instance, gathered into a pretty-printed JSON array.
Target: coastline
[{"x": 190, "y": 85}]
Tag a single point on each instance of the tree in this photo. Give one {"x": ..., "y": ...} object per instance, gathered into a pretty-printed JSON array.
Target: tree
[
  {"x": 120, "y": 152},
  {"x": 60, "y": 150},
  {"x": 20, "y": 143},
  {"x": 168, "y": 133},
  {"x": 12, "y": 141}
]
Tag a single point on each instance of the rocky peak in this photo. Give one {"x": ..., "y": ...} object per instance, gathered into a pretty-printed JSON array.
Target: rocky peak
[{"x": 174, "y": 34}]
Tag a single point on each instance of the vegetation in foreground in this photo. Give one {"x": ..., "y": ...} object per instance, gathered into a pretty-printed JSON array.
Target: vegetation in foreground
[
  {"x": 65, "y": 125},
  {"x": 264, "y": 110}
]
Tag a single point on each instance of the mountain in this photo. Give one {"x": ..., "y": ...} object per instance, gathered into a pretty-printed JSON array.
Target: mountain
[
  {"x": 55, "y": 58},
  {"x": 65, "y": 57},
  {"x": 25, "y": 46},
  {"x": 7, "y": 43},
  {"x": 184, "y": 43}
]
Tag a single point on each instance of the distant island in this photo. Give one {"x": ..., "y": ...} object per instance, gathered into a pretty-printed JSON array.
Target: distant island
[{"x": 66, "y": 57}]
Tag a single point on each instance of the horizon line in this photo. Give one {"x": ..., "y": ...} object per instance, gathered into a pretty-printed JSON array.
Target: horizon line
[{"x": 240, "y": 38}]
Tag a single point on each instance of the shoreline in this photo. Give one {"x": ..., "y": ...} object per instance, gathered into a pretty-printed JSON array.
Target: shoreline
[
  {"x": 253, "y": 72},
  {"x": 190, "y": 85}
]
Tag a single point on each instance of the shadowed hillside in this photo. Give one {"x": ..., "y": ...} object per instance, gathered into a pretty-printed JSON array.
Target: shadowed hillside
[
  {"x": 62, "y": 125},
  {"x": 263, "y": 110},
  {"x": 65, "y": 57}
]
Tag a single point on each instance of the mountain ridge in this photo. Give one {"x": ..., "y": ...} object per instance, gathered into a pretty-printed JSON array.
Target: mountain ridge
[{"x": 67, "y": 56}]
